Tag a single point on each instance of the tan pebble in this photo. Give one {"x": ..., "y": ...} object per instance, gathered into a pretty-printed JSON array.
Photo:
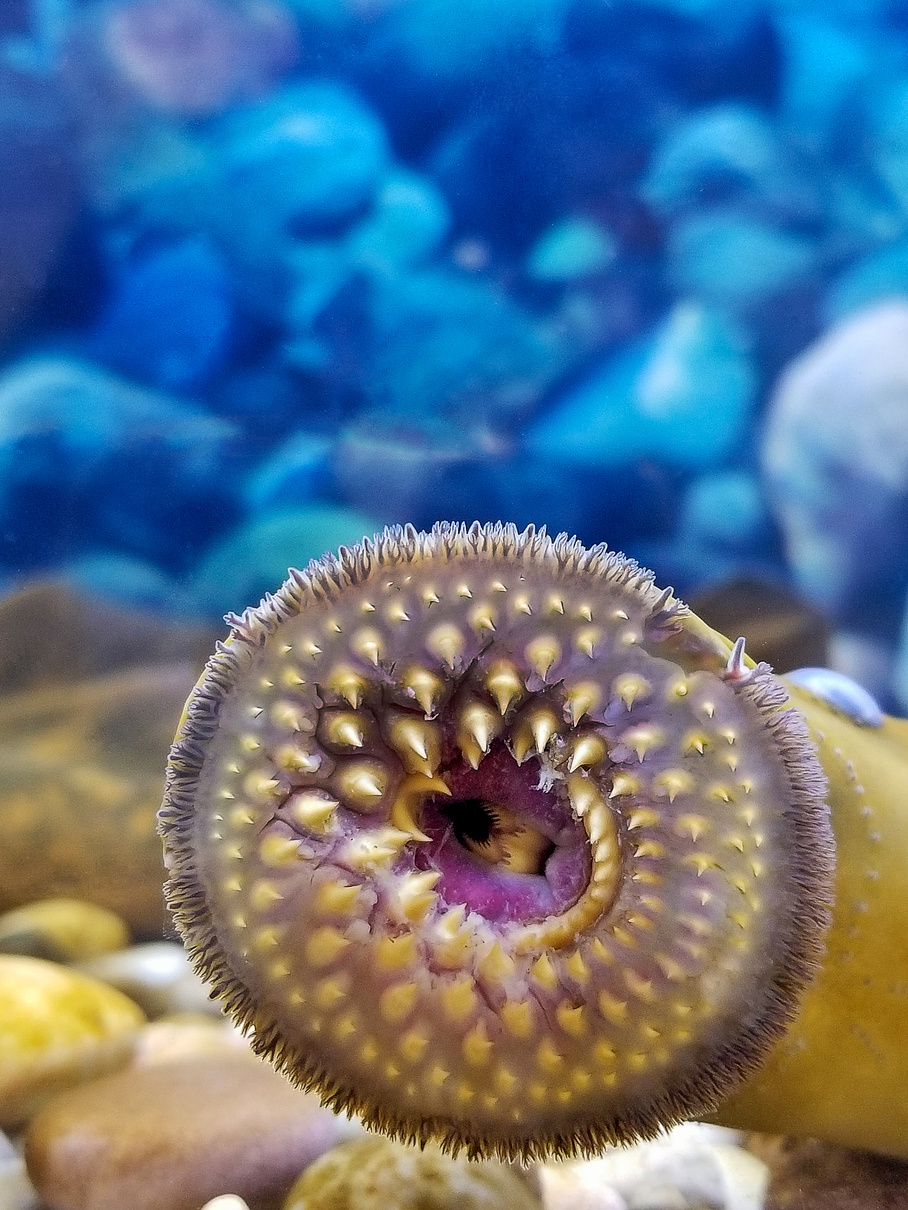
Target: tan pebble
[
  {"x": 175, "y": 1135},
  {"x": 158, "y": 976},
  {"x": 184, "y": 1037},
  {"x": 226, "y": 1201},
  {"x": 62, "y": 930},
  {"x": 378, "y": 1174},
  {"x": 57, "y": 1028}
]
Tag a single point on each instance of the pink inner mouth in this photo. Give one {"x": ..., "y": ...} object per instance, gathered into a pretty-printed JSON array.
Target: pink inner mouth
[{"x": 457, "y": 827}]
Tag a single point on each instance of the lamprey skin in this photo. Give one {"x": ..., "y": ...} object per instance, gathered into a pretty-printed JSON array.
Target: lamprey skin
[
  {"x": 489, "y": 840},
  {"x": 841, "y": 1071}
]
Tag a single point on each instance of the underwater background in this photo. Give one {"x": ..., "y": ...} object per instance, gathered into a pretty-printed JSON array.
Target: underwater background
[{"x": 274, "y": 273}]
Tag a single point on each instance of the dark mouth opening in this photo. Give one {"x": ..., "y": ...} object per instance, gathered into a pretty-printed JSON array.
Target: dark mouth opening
[{"x": 505, "y": 847}]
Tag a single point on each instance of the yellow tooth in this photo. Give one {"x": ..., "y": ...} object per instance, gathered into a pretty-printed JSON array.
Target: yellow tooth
[
  {"x": 446, "y": 643},
  {"x": 670, "y": 968},
  {"x": 522, "y": 605},
  {"x": 571, "y": 1019},
  {"x": 452, "y": 940},
  {"x": 312, "y": 810},
  {"x": 258, "y": 786},
  {"x": 395, "y": 953},
  {"x": 397, "y": 1001},
  {"x": 505, "y": 1080},
  {"x": 497, "y": 966},
  {"x": 544, "y": 972},
  {"x": 346, "y": 1027},
  {"x": 544, "y": 724},
  {"x": 362, "y": 785},
  {"x": 279, "y": 850},
  {"x": 378, "y": 847},
  {"x": 478, "y": 726},
  {"x": 416, "y": 742},
  {"x": 497, "y": 586},
  {"x": 542, "y": 653},
  {"x": 641, "y": 817},
  {"x": 587, "y": 639},
  {"x": 649, "y": 848},
  {"x": 424, "y": 687},
  {"x": 624, "y": 784},
  {"x": 264, "y": 894},
  {"x": 482, "y": 619},
  {"x": 518, "y": 1018},
  {"x": 328, "y": 992},
  {"x": 430, "y": 596},
  {"x": 325, "y": 945},
  {"x": 289, "y": 715},
  {"x": 413, "y": 1045},
  {"x": 337, "y": 897},
  {"x": 576, "y": 967},
  {"x": 674, "y": 782},
  {"x": 554, "y": 604},
  {"x": 548, "y": 1057},
  {"x": 437, "y": 1076},
  {"x": 631, "y": 688},
  {"x": 463, "y": 590},
  {"x": 348, "y": 684},
  {"x": 396, "y": 612},
  {"x": 415, "y": 894},
  {"x": 583, "y": 794},
  {"x": 600, "y": 823},
  {"x": 369, "y": 1051},
  {"x": 412, "y": 793},
  {"x": 295, "y": 759},
  {"x": 504, "y": 683},
  {"x": 345, "y": 730},
  {"x": 585, "y": 612},
  {"x": 612, "y": 1008},
  {"x": 721, "y": 793},
  {"x": 580, "y": 699},
  {"x": 642, "y": 739},
  {"x": 586, "y": 751},
  {"x": 367, "y": 607},
  {"x": 311, "y": 648},
  {"x": 368, "y": 644},
  {"x": 459, "y": 999},
  {"x": 477, "y": 1045}
]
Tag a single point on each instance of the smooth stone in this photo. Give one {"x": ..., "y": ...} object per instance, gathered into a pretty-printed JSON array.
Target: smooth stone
[
  {"x": 226, "y": 1201},
  {"x": 779, "y": 625},
  {"x": 378, "y": 1174},
  {"x": 406, "y": 225},
  {"x": 841, "y": 693},
  {"x": 186, "y": 1036},
  {"x": 128, "y": 582},
  {"x": 297, "y": 472},
  {"x": 58, "y": 1028},
  {"x": 806, "y": 1174},
  {"x": 174, "y": 1135},
  {"x": 682, "y": 396},
  {"x": 725, "y": 510},
  {"x": 170, "y": 316},
  {"x": 731, "y": 260},
  {"x": 255, "y": 559},
  {"x": 576, "y": 1186},
  {"x": 881, "y": 276},
  {"x": 16, "y": 1190},
  {"x": 158, "y": 976},
  {"x": 62, "y": 930},
  {"x": 835, "y": 460},
  {"x": 570, "y": 249},
  {"x": 731, "y": 148},
  {"x": 81, "y": 779}
]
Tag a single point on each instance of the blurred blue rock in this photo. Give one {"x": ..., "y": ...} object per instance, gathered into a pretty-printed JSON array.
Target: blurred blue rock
[
  {"x": 888, "y": 136},
  {"x": 725, "y": 511},
  {"x": 170, "y": 317},
  {"x": 307, "y": 155},
  {"x": 127, "y": 581},
  {"x": 298, "y": 472},
  {"x": 835, "y": 458},
  {"x": 729, "y": 152},
  {"x": 254, "y": 559},
  {"x": 883, "y": 274},
  {"x": 408, "y": 221},
  {"x": 682, "y": 396},
  {"x": 447, "y": 345},
  {"x": 87, "y": 459},
  {"x": 572, "y": 248},
  {"x": 732, "y": 260},
  {"x": 37, "y": 189}
]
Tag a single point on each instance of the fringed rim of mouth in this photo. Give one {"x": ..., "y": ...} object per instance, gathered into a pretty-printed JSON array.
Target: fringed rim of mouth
[{"x": 810, "y": 861}]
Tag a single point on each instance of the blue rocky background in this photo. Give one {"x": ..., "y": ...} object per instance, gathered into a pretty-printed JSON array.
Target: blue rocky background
[{"x": 274, "y": 273}]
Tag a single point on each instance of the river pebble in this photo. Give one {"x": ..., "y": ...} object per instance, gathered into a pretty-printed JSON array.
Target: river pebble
[
  {"x": 57, "y": 1028},
  {"x": 62, "y": 930},
  {"x": 175, "y": 1135}
]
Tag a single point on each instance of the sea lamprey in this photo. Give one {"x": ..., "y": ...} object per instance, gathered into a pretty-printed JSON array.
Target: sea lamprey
[{"x": 490, "y": 840}]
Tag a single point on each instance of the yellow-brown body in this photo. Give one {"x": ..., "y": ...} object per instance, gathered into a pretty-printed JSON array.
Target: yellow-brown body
[{"x": 841, "y": 1072}]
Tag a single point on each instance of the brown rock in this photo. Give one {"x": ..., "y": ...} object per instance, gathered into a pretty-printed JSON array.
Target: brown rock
[
  {"x": 173, "y": 1136},
  {"x": 81, "y": 779},
  {"x": 810, "y": 1175},
  {"x": 62, "y": 930},
  {"x": 57, "y": 1028},
  {"x": 780, "y": 626}
]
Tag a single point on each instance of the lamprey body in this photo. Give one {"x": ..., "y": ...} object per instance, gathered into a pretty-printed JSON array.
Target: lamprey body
[{"x": 488, "y": 839}]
